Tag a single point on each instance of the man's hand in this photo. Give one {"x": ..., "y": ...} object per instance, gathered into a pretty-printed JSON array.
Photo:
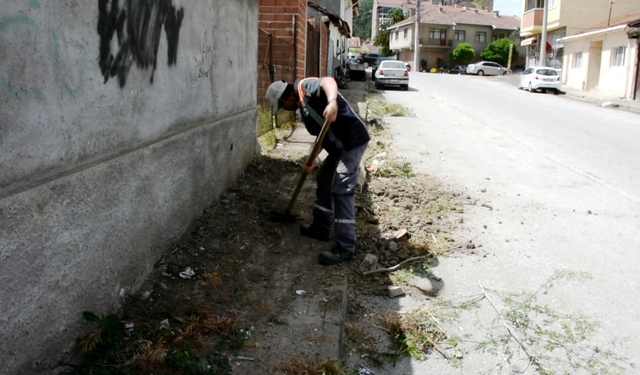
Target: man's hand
[
  {"x": 309, "y": 168},
  {"x": 331, "y": 112}
]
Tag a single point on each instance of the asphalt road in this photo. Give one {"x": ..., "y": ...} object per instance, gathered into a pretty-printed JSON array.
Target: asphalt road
[{"x": 563, "y": 180}]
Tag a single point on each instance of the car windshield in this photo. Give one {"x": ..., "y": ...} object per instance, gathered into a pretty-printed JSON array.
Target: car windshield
[
  {"x": 392, "y": 65},
  {"x": 547, "y": 72}
]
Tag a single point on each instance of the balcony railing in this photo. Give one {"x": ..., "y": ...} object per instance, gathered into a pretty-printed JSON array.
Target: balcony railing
[{"x": 436, "y": 42}]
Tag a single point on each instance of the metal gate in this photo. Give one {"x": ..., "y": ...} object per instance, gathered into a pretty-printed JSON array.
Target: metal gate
[{"x": 313, "y": 51}]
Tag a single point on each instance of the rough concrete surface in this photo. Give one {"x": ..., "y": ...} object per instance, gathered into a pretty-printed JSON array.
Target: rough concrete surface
[
  {"x": 554, "y": 186},
  {"x": 102, "y": 160}
]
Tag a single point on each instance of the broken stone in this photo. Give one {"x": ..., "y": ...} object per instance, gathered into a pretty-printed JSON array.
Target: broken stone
[
  {"x": 395, "y": 291},
  {"x": 370, "y": 262}
]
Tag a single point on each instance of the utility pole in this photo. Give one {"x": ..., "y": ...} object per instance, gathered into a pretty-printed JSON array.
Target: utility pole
[
  {"x": 510, "y": 57},
  {"x": 610, "y": 7},
  {"x": 542, "y": 47},
  {"x": 416, "y": 39}
]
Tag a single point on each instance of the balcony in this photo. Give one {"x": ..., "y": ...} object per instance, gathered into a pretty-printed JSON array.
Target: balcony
[
  {"x": 532, "y": 20},
  {"x": 436, "y": 42}
]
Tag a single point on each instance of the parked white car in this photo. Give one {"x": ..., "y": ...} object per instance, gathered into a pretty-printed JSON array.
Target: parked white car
[
  {"x": 540, "y": 78},
  {"x": 392, "y": 72},
  {"x": 486, "y": 68}
]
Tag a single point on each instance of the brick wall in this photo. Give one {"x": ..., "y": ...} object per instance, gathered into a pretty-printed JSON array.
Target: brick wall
[
  {"x": 277, "y": 52},
  {"x": 277, "y": 17}
]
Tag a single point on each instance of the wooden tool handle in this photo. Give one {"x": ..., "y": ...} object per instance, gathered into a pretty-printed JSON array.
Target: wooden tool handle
[{"x": 317, "y": 147}]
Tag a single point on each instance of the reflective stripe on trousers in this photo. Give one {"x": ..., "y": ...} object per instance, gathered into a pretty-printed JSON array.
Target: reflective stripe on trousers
[{"x": 337, "y": 178}]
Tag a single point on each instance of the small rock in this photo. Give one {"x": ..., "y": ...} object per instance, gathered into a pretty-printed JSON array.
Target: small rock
[
  {"x": 370, "y": 262},
  {"x": 146, "y": 295},
  {"x": 164, "y": 286},
  {"x": 394, "y": 291},
  {"x": 589, "y": 212},
  {"x": 393, "y": 246},
  {"x": 429, "y": 286}
]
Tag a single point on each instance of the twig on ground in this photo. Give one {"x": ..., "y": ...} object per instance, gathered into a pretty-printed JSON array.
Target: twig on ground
[
  {"x": 411, "y": 260},
  {"x": 504, "y": 322}
]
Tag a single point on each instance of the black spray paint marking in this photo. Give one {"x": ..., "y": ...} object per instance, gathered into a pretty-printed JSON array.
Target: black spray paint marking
[{"x": 139, "y": 27}]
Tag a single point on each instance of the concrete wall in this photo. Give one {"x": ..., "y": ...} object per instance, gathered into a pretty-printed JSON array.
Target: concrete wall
[{"x": 108, "y": 149}]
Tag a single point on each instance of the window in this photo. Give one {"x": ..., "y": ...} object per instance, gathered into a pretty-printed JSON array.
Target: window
[
  {"x": 533, "y": 4},
  {"x": 460, "y": 35},
  {"x": 617, "y": 58},
  {"x": 577, "y": 61},
  {"x": 481, "y": 37},
  {"x": 406, "y": 33},
  {"x": 397, "y": 35},
  {"x": 440, "y": 34},
  {"x": 495, "y": 37}
]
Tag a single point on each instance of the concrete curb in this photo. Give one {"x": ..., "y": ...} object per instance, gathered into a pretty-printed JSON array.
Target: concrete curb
[{"x": 584, "y": 98}]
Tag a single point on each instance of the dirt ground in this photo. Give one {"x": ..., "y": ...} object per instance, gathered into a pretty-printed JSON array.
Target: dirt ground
[{"x": 257, "y": 301}]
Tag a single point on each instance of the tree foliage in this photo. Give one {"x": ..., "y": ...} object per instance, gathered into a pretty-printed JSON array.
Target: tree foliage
[
  {"x": 382, "y": 39},
  {"x": 362, "y": 23},
  {"x": 498, "y": 51},
  {"x": 463, "y": 53}
]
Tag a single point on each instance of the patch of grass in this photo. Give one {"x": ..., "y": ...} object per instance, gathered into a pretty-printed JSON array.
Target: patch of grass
[
  {"x": 152, "y": 348},
  {"x": 379, "y": 107},
  {"x": 553, "y": 342}
]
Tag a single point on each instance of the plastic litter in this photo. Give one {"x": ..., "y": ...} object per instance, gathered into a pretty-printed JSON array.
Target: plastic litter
[
  {"x": 363, "y": 370},
  {"x": 164, "y": 324},
  {"x": 240, "y": 358},
  {"x": 301, "y": 292},
  {"x": 187, "y": 273}
]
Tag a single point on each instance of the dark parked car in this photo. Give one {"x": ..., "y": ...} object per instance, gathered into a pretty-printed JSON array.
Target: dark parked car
[
  {"x": 458, "y": 69},
  {"x": 377, "y": 63},
  {"x": 369, "y": 58}
]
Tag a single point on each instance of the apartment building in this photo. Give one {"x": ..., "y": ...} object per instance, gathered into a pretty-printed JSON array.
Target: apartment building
[
  {"x": 565, "y": 18},
  {"x": 444, "y": 27}
]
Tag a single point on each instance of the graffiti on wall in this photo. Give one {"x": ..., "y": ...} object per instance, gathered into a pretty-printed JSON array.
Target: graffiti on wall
[{"x": 138, "y": 27}]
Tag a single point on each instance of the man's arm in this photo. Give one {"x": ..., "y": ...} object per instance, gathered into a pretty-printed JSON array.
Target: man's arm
[{"x": 330, "y": 89}]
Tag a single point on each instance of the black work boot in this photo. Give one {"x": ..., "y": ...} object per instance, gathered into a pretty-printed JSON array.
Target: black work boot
[
  {"x": 335, "y": 256},
  {"x": 313, "y": 231}
]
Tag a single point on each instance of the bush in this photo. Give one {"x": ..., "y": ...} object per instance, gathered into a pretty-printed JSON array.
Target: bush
[
  {"x": 423, "y": 64},
  {"x": 498, "y": 51},
  {"x": 463, "y": 53}
]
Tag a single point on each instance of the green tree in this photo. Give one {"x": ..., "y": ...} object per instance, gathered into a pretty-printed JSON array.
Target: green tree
[
  {"x": 463, "y": 53},
  {"x": 362, "y": 23},
  {"x": 382, "y": 39},
  {"x": 498, "y": 51}
]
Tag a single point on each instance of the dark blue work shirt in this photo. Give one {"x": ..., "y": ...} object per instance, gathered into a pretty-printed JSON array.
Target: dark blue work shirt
[{"x": 348, "y": 128}]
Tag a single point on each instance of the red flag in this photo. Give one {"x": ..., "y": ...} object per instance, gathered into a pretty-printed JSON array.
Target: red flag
[{"x": 548, "y": 47}]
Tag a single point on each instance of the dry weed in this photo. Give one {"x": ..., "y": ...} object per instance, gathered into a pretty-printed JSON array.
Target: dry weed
[
  {"x": 305, "y": 367},
  {"x": 263, "y": 308}
]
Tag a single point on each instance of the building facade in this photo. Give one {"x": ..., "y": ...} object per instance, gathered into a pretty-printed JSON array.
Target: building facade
[
  {"x": 565, "y": 18},
  {"x": 443, "y": 28},
  {"x": 605, "y": 58}
]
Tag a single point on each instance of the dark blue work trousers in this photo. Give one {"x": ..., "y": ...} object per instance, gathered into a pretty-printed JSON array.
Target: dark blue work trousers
[{"x": 336, "y": 196}]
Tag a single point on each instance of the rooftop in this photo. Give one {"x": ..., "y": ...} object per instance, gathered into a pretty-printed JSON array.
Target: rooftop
[{"x": 452, "y": 15}]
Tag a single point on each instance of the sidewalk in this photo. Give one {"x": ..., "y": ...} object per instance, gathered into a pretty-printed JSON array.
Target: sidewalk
[{"x": 599, "y": 98}]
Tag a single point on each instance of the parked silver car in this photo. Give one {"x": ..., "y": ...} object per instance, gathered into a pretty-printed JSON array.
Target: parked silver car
[
  {"x": 486, "y": 68},
  {"x": 392, "y": 72}
]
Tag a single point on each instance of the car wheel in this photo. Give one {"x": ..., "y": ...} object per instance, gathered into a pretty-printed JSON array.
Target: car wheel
[
  {"x": 504, "y": 73},
  {"x": 480, "y": 72},
  {"x": 405, "y": 87},
  {"x": 378, "y": 86},
  {"x": 530, "y": 88}
]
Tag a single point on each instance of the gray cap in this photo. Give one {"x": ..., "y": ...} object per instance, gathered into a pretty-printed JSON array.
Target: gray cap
[{"x": 274, "y": 92}]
